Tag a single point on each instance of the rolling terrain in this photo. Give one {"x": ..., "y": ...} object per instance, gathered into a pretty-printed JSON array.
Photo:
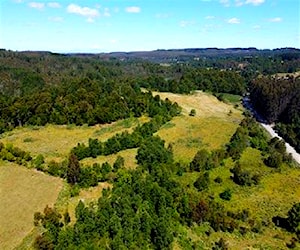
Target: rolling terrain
[{"x": 211, "y": 128}]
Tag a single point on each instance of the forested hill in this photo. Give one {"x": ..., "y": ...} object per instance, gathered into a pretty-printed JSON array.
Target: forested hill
[
  {"x": 172, "y": 55},
  {"x": 43, "y": 87},
  {"x": 278, "y": 100}
]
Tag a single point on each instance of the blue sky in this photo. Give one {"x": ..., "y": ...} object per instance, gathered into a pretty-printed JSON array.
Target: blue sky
[{"x": 135, "y": 25}]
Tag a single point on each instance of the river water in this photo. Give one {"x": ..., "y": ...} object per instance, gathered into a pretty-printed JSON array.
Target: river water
[{"x": 271, "y": 131}]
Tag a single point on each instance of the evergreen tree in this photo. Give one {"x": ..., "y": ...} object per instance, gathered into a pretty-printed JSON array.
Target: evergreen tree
[{"x": 73, "y": 170}]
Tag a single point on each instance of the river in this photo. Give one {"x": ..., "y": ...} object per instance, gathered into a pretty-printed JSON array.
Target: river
[{"x": 269, "y": 127}]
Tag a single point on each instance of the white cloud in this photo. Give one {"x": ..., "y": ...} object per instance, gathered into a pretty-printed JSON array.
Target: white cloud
[
  {"x": 239, "y": 3},
  {"x": 226, "y": 3},
  {"x": 56, "y": 19},
  {"x": 256, "y": 27},
  {"x": 233, "y": 20},
  {"x": 275, "y": 20},
  {"x": 106, "y": 12},
  {"x": 36, "y": 5},
  {"x": 53, "y": 5},
  {"x": 18, "y": 1},
  {"x": 133, "y": 9},
  {"x": 255, "y": 2},
  {"x": 184, "y": 23},
  {"x": 90, "y": 13},
  {"x": 210, "y": 17}
]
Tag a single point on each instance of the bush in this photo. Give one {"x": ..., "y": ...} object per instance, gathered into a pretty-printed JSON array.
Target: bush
[
  {"x": 274, "y": 160},
  {"x": 226, "y": 195},
  {"x": 38, "y": 162},
  {"x": 218, "y": 180},
  {"x": 193, "y": 112},
  {"x": 202, "y": 182}
]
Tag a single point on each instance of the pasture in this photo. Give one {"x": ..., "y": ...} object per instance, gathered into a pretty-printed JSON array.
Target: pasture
[
  {"x": 54, "y": 142},
  {"x": 212, "y": 126},
  {"x": 23, "y": 192}
]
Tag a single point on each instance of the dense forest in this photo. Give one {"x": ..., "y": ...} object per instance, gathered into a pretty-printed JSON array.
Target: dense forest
[
  {"x": 148, "y": 207},
  {"x": 278, "y": 100}
]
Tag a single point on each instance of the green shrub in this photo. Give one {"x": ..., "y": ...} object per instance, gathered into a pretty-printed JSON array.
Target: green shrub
[{"x": 226, "y": 195}]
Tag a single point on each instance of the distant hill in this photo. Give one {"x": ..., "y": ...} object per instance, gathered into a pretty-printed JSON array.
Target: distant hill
[{"x": 173, "y": 55}]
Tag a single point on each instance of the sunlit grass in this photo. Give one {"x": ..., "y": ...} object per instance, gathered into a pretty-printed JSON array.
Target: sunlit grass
[
  {"x": 211, "y": 127},
  {"x": 23, "y": 192},
  {"x": 54, "y": 142},
  {"x": 128, "y": 155}
]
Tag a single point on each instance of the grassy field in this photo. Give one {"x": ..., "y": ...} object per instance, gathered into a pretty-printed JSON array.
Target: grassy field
[
  {"x": 211, "y": 127},
  {"x": 128, "y": 155},
  {"x": 23, "y": 192},
  {"x": 55, "y": 142},
  {"x": 277, "y": 191}
]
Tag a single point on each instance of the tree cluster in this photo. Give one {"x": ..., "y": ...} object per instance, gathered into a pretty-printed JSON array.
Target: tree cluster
[{"x": 278, "y": 100}]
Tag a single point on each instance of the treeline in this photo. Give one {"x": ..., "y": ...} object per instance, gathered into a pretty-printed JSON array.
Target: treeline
[
  {"x": 124, "y": 140},
  {"x": 213, "y": 80},
  {"x": 80, "y": 102},
  {"x": 278, "y": 100}
]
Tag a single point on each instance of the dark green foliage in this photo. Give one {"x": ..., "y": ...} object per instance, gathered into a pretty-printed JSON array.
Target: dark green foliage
[
  {"x": 243, "y": 177},
  {"x": 51, "y": 221},
  {"x": 14, "y": 154},
  {"x": 38, "y": 162},
  {"x": 226, "y": 195},
  {"x": 278, "y": 99},
  {"x": 218, "y": 179},
  {"x": 119, "y": 163},
  {"x": 274, "y": 160},
  {"x": 220, "y": 245},
  {"x": 67, "y": 218},
  {"x": 293, "y": 219},
  {"x": 192, "y": 112},
  {"x": 137, "y": 213},
  {"x": 57, "y": 169},
  {"x": 73, "y": 170},
  {"x": 238, "y": 143},
  {"x": 201, "y": 161},
  {"x": 152, "y": 152},
  {"x": 214, "y": 213},
  {"x": 202, "y": 181},
  {"x": 120, "y": 141}
]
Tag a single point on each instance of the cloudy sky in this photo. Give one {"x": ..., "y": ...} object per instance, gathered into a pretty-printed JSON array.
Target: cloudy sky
[{"x": 134, "y": 25}]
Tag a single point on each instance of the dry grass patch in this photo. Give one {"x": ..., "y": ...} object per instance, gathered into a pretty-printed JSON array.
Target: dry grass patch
[
  {"x": 56, "y": 141},
  {"x": 87, "y": 196},
  {"x": 189, "y": 134},
  {"x": 22, "y": 193},
  {"x": 206, "y": 105},
  {"x": 128, "y": 155},
  {"x": 211, "y": 127}
]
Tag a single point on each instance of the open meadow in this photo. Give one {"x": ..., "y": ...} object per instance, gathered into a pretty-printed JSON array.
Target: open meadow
[
  {"x": 54, "y": 142},
  {"x": 23, "y": 192},
  {"x": 211, "y": 127}
]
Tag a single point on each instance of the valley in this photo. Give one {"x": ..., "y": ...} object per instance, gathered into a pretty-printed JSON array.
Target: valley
[{"x": 136, "y": 155}]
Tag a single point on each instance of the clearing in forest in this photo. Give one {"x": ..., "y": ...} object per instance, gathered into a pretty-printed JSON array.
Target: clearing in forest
[
  {"x": 23, "y": 192},
  {"x": 212, "y": 126},
  {"x": 55, "y": 142}
]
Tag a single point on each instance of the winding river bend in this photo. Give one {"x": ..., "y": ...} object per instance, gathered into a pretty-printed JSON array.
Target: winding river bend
[{"x": 269, "y": 127}]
